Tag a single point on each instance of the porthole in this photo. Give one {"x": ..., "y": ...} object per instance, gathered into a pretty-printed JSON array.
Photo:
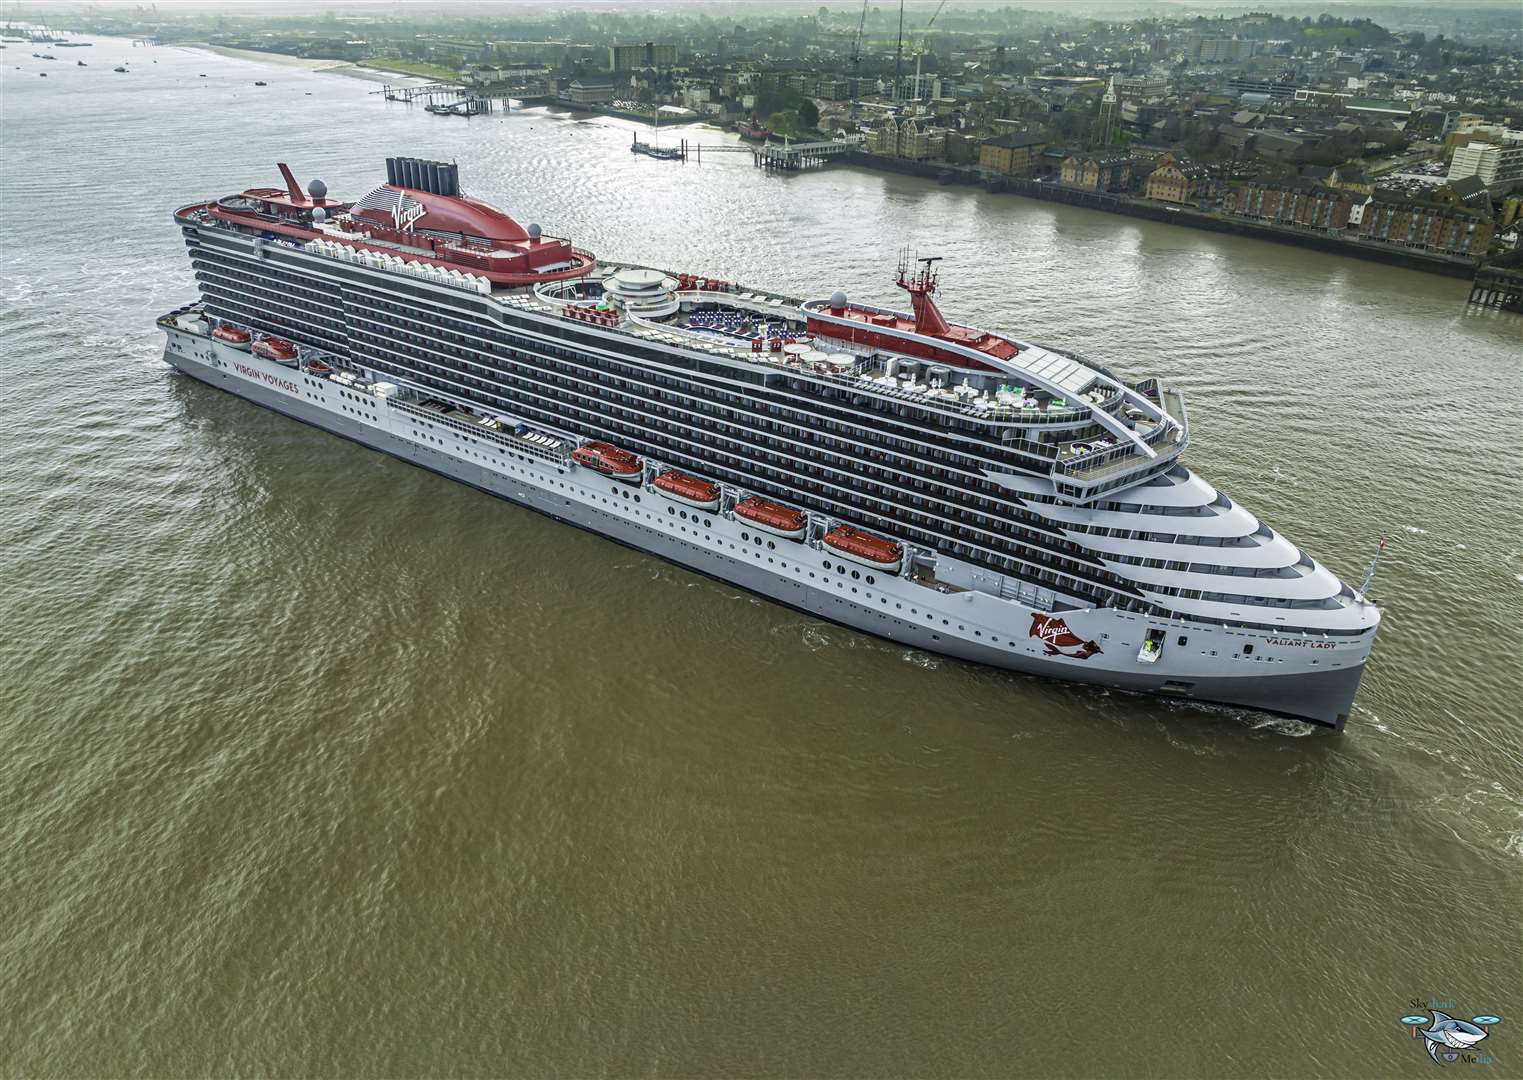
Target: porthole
[
  {"x": 771, "y": 546},
  {"x": 856, "y": 576},
  {"x": 672, "y": 510},
  {"x": 871, "y": 580},
  {"x": 745, "y": 536},
  {"x": 827, "y": 564}
]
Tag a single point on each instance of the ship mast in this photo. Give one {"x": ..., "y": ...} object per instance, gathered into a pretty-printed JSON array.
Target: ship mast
[{"x": 921, "y": 284}]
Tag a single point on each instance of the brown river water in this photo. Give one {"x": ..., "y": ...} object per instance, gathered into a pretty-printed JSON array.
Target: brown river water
[{"x": 318, "y": 764}]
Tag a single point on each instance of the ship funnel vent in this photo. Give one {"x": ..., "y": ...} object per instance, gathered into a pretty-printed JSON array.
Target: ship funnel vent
[{"x": 437, "y": 177}]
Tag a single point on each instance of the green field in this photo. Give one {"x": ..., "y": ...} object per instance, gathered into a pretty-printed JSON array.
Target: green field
[{"x": 410, "y": 67}]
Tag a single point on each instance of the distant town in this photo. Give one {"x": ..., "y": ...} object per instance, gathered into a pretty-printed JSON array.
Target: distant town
[{"x": 1336, "y": 129}]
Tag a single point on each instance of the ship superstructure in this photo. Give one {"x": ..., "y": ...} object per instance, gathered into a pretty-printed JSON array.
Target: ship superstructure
[{"x": 959, "y": 489}]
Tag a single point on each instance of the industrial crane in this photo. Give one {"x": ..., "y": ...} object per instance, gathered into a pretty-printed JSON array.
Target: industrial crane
[{"x": 856, "y": 46}]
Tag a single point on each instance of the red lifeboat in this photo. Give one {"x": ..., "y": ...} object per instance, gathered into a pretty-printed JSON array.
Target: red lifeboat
[
  {"x": 608, "y": 460},
  {"x": 276, "y": 349},
  {"x": 771, "y": 517},
  {"x": 680, "y": 487},
  {"x": 319, "y": 367},
  {"x": 232, "y": 335},
  {"x": 859, "y": 547}
]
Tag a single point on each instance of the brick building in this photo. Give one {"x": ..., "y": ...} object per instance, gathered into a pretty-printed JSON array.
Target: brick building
[
  {"x": 1177, "y": 180},
  {"x": 1097, "y": 173},
  {"x": 1432, "y": 228},
  {"x": 1292, "y": 202},
  {"x": 1011, "y": 155}
]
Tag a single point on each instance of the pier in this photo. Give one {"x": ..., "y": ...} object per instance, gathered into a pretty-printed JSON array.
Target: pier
[
  {"x": 660, "y": 153},
  {"x": 466, "y": 105},
  {"x": 429, "y": 92},
  {"x": 790, "y": 157},
  {"x": 1498, "y": 287}
]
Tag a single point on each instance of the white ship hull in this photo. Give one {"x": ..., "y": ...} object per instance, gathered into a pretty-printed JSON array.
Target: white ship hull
[{"x": 1309, "y": 676}]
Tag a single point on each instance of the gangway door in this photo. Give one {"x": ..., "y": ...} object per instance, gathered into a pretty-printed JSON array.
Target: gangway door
[{"x": 1152, "y": 647}]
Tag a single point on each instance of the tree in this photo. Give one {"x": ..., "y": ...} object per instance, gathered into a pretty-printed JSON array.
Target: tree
[{"x": 809, "y": 114}]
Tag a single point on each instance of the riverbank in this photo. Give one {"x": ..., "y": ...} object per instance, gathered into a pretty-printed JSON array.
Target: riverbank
[
  {"x": 370, "y": 72},
  {"x": 1169, "y": 214}
]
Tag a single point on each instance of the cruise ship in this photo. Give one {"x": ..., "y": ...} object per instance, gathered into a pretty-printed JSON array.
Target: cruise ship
[{"x": 953, "y": 488}]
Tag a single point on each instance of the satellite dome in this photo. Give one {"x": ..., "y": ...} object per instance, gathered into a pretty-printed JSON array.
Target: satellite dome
[
  {"x": 319, "y": 214},
  {"x": 534, "y": 231},
  {"x": 837, "y": 300},
  {"x": 317, "y": 189}
]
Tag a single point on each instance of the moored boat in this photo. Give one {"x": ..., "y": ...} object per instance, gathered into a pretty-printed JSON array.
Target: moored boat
[
  {"x": 608, "y": 460},
  {"x": 772, "y": 517},
  {"x": 680, "y": 487},
  {"x": 234, "y": 336},
  {"x": 859, "y": 547}
]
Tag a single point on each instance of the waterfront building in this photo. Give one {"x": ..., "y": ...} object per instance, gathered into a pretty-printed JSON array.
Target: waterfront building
[
  {"x": 908, "y": 137},
  {"x": 1177, "y": 180},
  {"x": 1092, "y": 173},
  {"x": 590, "y": 92},
  {"x": 1428, "y": 227},
  {"x": 1011, "y": 155},
  {"x": 1291, "y": 202}
]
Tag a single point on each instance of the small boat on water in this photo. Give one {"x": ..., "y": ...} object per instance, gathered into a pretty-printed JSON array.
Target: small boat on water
[
  {"x": 120, "y": 68},
  {"x": 859, "y": 547},
  {"x": 259, "y": 83},
  {"x": 235, "y": 336},
  {"x": 277, "y": 349},
  {"x": 80, "y": 63},
  {"x": 689, "y": 490},
  {"x": 608, "y": 460},
  {"x": 772, "y": 517}
]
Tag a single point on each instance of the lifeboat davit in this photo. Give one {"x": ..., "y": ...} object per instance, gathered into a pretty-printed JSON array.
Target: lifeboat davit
[
  {"x": 771, "y": 517},
  {"x": 861, "y": 548},
  {"x": 231, "y": 335},
  {"x": 680, "y": 487},
  {"x": 608, "y": 460},
  {"x": 276, "y": 349}
]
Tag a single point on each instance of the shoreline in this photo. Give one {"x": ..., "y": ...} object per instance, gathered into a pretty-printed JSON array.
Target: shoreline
[
  {"x": 1179, "y": 216},
  {"x": 346, "y": 68}
]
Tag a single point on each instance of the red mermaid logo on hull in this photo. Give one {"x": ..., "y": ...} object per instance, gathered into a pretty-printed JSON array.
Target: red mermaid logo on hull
[{"x": 1059, "y": 639}]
